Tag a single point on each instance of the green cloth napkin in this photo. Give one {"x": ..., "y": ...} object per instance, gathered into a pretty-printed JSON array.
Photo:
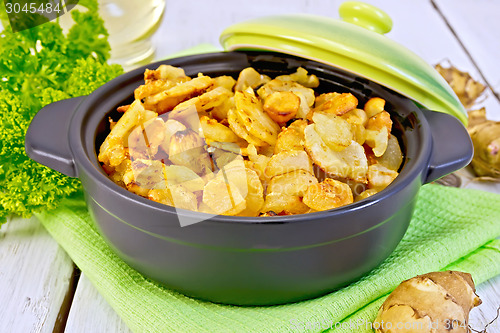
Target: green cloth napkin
[{"x": 451, "y": 229}]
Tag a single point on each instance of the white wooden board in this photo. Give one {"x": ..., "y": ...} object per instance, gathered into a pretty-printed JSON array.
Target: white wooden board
[
  {"x": 35, "y": 276},
  {"x": 489, "y": 292},
  {"x": 91, "y": 313},
  {"x": 468, "y": 19}
]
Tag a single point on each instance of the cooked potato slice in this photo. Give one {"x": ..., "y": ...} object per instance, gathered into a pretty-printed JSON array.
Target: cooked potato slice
[
  {"x": 291, "y": 138},
  {"x": 249, "y": 77},
  {"x": 374, "y": 106},
  {"x": 282, "y": 106},
  {"x": 258, "y": 163},
  {"x": 232, "y": 147},
  {"x": 292, "y": 183},
  {"x": 187, "y": 149},
  {"x": 222, "y": 157},
  {"x": 223, "y": 197},
  {"x": 163, "y": 196},
  {"x": 181, "y": 175},
  {"x": 365, "y": 194},
  {"x": 168, "y": 99},
  {"x": 224, "y": 81},
  {"x": 112, "y": 151},
  {"x": 203, "y": 208},
  {"x": 349, "y": 163},
  {"x": 177, "y": 196},
  {"x": 278, "y": 203},
  {"x": 146, "y": 174},
  {"x": 381, "y": 119},
  {"x": 183, "y": 198},
  {"x": 333, "y": 130},
  {"x": 134, "y": 188},
  {"x": 255, "y": 194},
  {"x": 203, "y": 102},
  {"x": 254, "y": 119},
  {"x": 156, "y": 86},
  {"x": 377, "y": 140},
  {"x": 144, "y": 140},
  {"x": 306, "y": 95},
  {"x": 239, "y": 129},
  {"x": 164, "y": 72},
  {"x": 288, "y": 161},
  {"x": 219, "y": 112},
  {"x": 172, "y": 126},
  {"x": 301, "y": 77},
  {"x": 235, "y": 173},
  {"x": 359, "y": 133},
  {"x": 379, "y": 177},
  {"x": 356, "y": 117},
  {"x": 328, "y": 194},
  {"x": 335, "y": 103},
  {"x": 392, "y": 157},
  {"x": 323, "y": 98},
  {"x": 214, "y": 131}
]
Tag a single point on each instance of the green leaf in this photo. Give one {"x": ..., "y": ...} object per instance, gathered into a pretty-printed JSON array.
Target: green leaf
[{"x": 40, "y": 66}]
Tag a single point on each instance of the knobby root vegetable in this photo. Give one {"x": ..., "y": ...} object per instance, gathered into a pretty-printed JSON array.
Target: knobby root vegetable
[{"x": 431, "y": 303}]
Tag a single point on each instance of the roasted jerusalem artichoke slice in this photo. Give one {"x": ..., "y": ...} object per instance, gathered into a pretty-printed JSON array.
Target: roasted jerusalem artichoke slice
[
  {"x": 112, "y": 151},
  {"x": 212, "y": 130},
  {"x": 336, "y": 103},
  {"x": 282, "y": 106},
  {"x": 328, "y": 194},
  {"x": 334, "y": 131},
  {"x": 223, "y": 197},
  {"x": 291, "y": 137},
  {"x": 236, "y": 125},
  {"x": 301, "y": 76},
  {"x": 292, "y": 183},
  {"x": 187, "y": 148},
  {"x": 393, "y": 156},
  {"x": 176, "y": 195},
  {"x": 166, "y": 100},
  {"x": 163, "y": 72},
  {"x": 379, "y": 177},
  {"x": 251, "y": 115},
  {"x": 205, "y": 101},
  {"x": 349, "y": 163},
  {"x": 288, "y": 161},
  {"x": 306, "y": 95},
  {"x": 282, "y": 203},
  {"x": 181, "y": 175},
  {"x": 250, "y": 78}
]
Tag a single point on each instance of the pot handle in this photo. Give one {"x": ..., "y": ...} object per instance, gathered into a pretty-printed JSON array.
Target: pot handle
[
  {"x": 451, "y": 145},
  {"x": 46, "y": 140}
]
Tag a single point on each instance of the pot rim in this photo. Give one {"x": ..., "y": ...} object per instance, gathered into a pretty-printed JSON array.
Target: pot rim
[{"x": 89, "y": 163}]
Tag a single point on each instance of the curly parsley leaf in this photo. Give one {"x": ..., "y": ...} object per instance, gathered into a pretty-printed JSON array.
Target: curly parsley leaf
[{"x": 39, "y": 66}]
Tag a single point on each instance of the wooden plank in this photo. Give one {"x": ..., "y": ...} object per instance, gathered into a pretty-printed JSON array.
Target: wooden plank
[
  {"x": 489, "y": 292},
  {"x": 472, "y": 21},
  {"x": 91, "y": 313},
  {"x": 35, "y": 277}
]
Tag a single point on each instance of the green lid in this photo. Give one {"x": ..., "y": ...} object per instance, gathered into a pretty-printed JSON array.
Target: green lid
[{"x": 360, "y": 50}]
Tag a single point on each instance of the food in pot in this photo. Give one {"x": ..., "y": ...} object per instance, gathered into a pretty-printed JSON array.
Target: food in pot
[{"x": 249, "y": 146}]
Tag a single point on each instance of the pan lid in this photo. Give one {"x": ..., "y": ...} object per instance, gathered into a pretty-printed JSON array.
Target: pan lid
[{"x": 360, "y": 48}]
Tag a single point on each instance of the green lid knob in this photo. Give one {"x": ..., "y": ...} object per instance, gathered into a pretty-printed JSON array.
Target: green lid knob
[{"x": 366, "y": 16}]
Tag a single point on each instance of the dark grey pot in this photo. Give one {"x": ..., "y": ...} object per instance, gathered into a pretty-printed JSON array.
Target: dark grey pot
[{"x": 245, "y": 260}]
